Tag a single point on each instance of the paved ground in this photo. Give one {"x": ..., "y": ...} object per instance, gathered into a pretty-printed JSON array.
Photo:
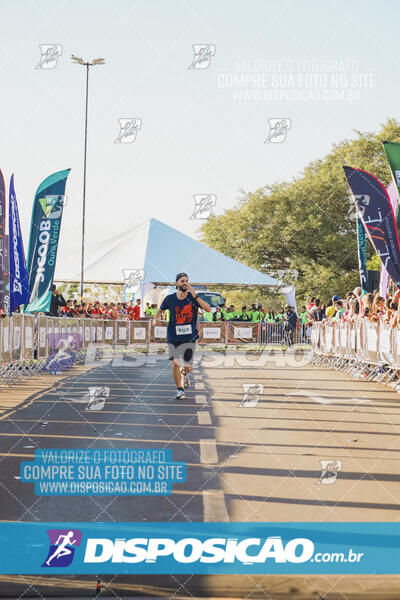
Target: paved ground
[{"x": 249, "y": 459}]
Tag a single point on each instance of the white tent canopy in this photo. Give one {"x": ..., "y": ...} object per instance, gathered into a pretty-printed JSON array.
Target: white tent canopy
[{"x": 161, "y": 252}]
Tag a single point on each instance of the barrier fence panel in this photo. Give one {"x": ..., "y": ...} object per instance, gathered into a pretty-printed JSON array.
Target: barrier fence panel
[
  {"x": 100, "y": 331},
  {"x": 93, "y": 331},
  {"x": 396, "y": 346},
  {"x": 122, "y": 332},
  {"x": 158, "y": 333},
  {"x": 81, "y": 329},
  {"x": 352, "y": 340},
  {"x": 87, "y": 333},
  {"x": 359, "y": 339},
  {"x": 330, "y": 338},
  {"x": 386, "y": 344},
  {"x": 28, "y": 328},
  {"x": 41, "y": 336},
  {"x": 239, "y": 332},
  {"x": 109, "y": 332},
  {"x": 343, "y": 338},
  {"x": 5, "y": 340},
  {"x": 211, "y": 332},
  {"x": 16, "y": 337},
  {"x": 371, "y": 341},
  {"x": 272, "y": 333},
  {"x": 139, "y": 332}
]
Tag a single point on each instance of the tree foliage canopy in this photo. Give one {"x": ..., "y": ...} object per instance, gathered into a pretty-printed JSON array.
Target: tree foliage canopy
[{"x": 308, "y": 224}]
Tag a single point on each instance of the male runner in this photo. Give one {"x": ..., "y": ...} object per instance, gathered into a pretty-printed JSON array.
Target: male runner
[{"x": 182, "y": 331}]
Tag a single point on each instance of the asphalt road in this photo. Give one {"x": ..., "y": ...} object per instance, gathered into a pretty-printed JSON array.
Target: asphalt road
[{"x": 249, "y": 458}]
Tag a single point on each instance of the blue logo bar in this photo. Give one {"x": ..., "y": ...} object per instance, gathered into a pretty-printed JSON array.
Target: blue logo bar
[{"x": 200, "y": 548}]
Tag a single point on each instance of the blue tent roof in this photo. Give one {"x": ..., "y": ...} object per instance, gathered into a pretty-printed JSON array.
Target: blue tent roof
[{"x": 162, "y": 252}]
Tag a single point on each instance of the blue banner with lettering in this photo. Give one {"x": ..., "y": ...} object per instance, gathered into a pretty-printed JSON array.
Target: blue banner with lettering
[
  {"x": 47, "y": 213},
  {"x": 19, "y": 288},
  {"x": 376, "y": 213},
  {"x": 199, "y": 548}
]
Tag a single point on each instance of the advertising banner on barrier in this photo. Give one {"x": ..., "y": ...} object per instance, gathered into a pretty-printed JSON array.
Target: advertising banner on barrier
[
  {"x": 158, "y": 333},
  {"x": 122, "y": 332},
  {"x": 238, "y": 332},
  {"x": 5, "y": 340},
  {"x": 47, "y": 213},
  {"x": 16, "y": 337},
  {"x": 139, "y": 332},
  {"x": 41, "y": 336},
  {"x": 211, "y": 332},
  {"x": 109, "y": 332},
  {"x": 28, "y": 323}
]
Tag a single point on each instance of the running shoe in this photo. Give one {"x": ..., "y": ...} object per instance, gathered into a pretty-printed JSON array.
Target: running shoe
[{"x": 180, "y": 394}]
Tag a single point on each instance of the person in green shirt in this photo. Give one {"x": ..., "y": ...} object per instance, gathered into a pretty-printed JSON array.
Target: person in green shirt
[
  {"x": 147, "y": 309},
  {"x": 304, "y": 318},
  {"x": 279, "y": 318},
  {"x": 340, "y": 310},
  {"x": 233, "y": 313},
  {"x": 218, "y": 316},
  {"x": 270, "y": 316},
  {"x": 208, "y": 316},
  {"x": 256, "y": 316},
  {"x": 243, "y": 316}
]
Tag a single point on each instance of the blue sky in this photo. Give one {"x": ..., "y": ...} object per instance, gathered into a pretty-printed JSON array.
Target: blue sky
[{"x": 199, "y": 134}]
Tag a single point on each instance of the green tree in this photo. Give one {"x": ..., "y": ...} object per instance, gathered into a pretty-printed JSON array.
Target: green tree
[{"x": 307, "y": 224}]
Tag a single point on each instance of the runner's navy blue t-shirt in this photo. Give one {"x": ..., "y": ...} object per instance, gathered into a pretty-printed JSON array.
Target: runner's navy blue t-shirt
[{"x": 182, "y": 325}]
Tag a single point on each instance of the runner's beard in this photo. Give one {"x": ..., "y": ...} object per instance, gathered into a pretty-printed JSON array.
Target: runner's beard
[{"x": 183, "y": 287}]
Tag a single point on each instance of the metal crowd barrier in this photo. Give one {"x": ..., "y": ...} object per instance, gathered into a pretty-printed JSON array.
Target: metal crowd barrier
[
  {"x": 364, "y": 349},
  {"x": 34, "y": 344}
]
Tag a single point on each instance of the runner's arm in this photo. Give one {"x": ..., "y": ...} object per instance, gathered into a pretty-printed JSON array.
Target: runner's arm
[{"x": 203, "y": 304}]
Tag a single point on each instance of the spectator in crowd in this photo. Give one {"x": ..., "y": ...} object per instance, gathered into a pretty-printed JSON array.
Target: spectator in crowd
[
  {"x": 339, "y": 310},
  {"x": 330, "y": 311},
  {"x": 134, "y": 310},
  {"x": 290, "y": 324},
  {"x": 56, "y": 302},
  {"x": 368, "y": 300},
  {"x": 270, "y": 316},
  {"x": 315, "y": 311},
  {"x": 378, "y": 308}
]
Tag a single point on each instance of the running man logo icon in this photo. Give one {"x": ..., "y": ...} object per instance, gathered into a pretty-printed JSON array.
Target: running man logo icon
[
  {"x": 203, "y": 205},
  {"x": 50, "y": 54},
  {"x": 251, "y": 394},
  {"x": 329, "y": 471},
  {"x": 278, "y": 129},
  {"x": 97, "y": 397},
  {"x": 132, "y": 280},
  {"x": 128, "y": 129},
  {"x": 203, "y": 54},
  {"x": 62, "y": 547}
]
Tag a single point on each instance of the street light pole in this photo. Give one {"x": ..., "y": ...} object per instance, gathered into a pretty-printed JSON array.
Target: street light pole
[{"x": 96, "y": 61}]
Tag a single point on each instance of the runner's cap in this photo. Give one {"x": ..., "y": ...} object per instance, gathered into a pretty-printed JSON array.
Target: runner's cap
[{"x": 180, "y": 275}]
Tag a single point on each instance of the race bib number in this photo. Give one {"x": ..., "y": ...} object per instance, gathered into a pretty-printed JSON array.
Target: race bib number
[{"x": 183, "y": 329}]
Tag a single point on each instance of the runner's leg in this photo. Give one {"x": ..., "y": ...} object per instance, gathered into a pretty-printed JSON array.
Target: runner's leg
[{"x": 176, "y": 372}]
